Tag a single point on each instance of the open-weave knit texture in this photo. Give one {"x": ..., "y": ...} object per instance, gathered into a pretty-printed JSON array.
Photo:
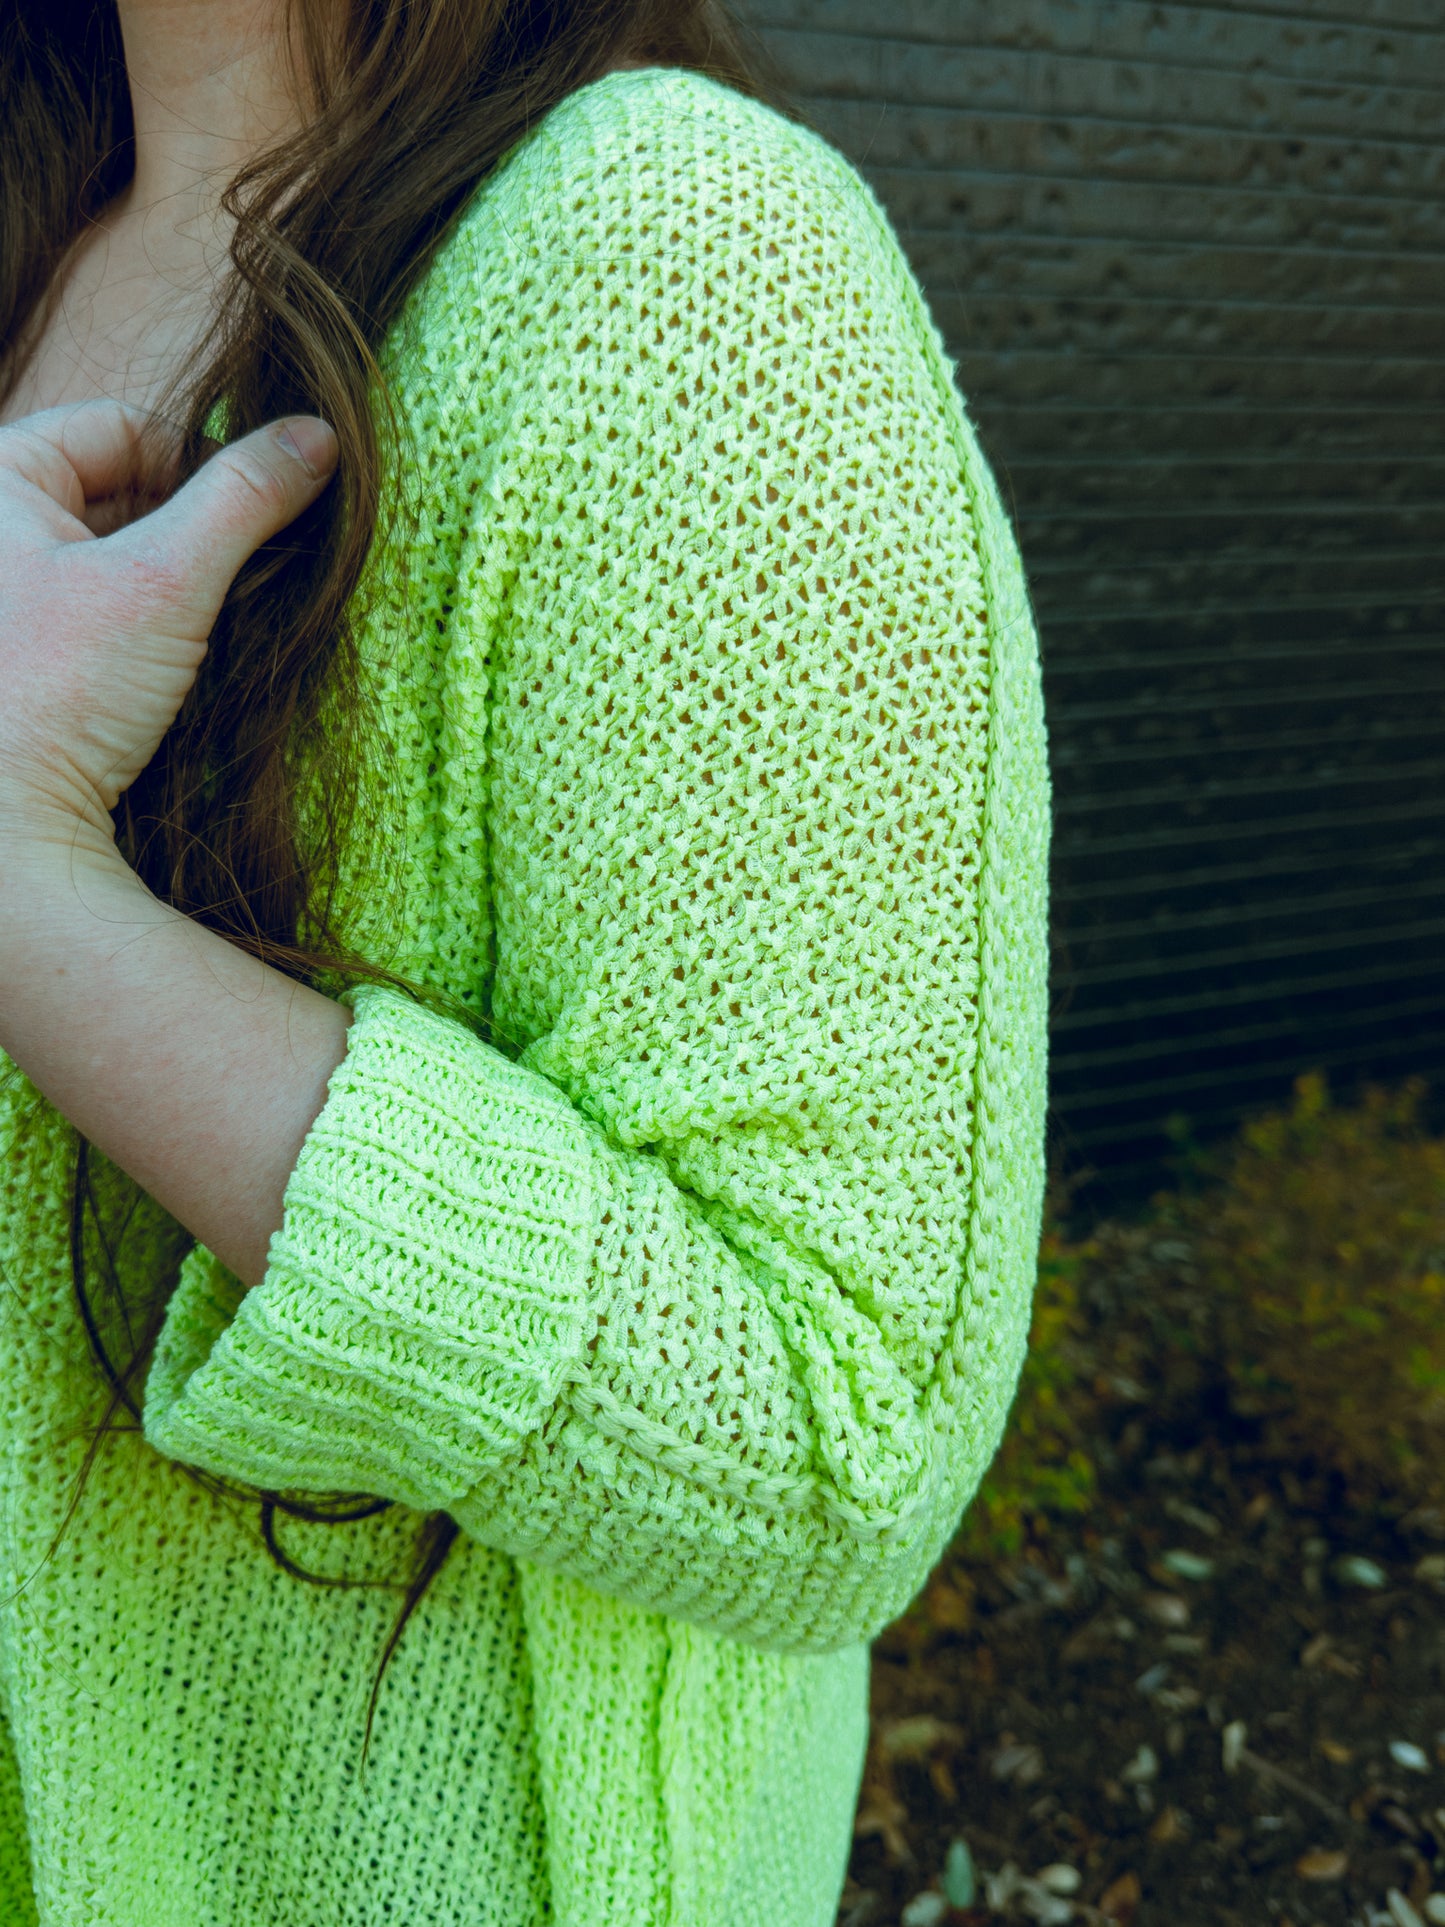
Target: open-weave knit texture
[{"x": 695, "y": 1289}]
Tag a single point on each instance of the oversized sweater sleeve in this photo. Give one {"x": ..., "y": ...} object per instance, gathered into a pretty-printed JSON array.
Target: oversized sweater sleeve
[{"x": 711, "y": 1290}]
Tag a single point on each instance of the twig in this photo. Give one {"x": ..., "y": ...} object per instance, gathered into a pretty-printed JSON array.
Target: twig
[{"x": 1267, "y": 1770}]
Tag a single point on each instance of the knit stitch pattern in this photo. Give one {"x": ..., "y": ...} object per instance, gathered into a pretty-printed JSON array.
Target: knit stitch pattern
[{"x": 693, "y": 1280}]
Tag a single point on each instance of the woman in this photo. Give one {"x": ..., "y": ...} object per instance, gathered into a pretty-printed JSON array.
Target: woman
[{"x": 522, "y": 962}]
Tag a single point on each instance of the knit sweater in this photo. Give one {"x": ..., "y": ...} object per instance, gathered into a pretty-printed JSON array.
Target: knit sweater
[{"x": 692, "y": 1278}]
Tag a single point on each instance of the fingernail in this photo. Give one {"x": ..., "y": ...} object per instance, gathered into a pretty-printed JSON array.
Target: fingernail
[{"x": 312, "y": 441}]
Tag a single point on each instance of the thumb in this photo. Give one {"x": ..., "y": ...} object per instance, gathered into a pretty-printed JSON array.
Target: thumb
[{"x": 240, "y": 498}]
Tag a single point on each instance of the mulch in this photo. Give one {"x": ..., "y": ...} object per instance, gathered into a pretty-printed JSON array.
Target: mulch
[{"x": 1215, "y": 1700}]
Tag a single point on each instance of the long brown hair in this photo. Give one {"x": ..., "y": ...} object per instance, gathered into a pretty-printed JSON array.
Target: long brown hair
[{"x": 415, "y": 101}]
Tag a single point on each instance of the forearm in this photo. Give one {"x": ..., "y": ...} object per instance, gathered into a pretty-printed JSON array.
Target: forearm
[{"x": 192, "y": 1066}]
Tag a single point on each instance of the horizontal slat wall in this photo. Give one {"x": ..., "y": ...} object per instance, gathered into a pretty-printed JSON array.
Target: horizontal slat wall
[{"x": 1191, "y": 262}]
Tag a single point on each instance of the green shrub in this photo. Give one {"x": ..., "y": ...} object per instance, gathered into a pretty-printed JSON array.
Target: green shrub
[
  {"x": 1303, "y": 1269},
  {"x": 1043, "y": 1467},
  {"x": 1321, "y": 1244}
]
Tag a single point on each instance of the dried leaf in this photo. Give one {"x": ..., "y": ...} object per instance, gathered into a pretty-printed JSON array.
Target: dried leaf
[
  {"x": 1186, "y": 1565},
  {"x": 1120, "y": 1898},
  {"x": 1165, "y": 1609},
  {"x": 915, "y": 1738},
  {"x": 925, "y": 1910},
  {"x": 1192, "y": 1515},
  {"x": 1351, "y": 1569},
  {"x": 1168, "y": 1828},
  {"x": 1401, "y": 1911},
  {"x": 883, "y": 1813},
  {"x": 1021, "y": 1763},
  {"x": 1060, "y": 1878},
  {"x": 949, "y": 1608},
  {"x": 1322, "y": 1863},
  {"x": 1144, "y": 1766}
]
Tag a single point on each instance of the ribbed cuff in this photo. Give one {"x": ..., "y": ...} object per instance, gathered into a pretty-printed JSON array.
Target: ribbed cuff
[{"x": 423, "y": 1296}]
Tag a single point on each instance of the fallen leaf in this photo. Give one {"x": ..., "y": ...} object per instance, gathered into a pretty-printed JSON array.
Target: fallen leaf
[
  {"x": 1167, "y": 1828},
  {"x": 1000, "y": 1888},
  {"x": 925, "y": 1910},
  {"x": 1402, "y": 1912},
  {"x": 1120, "y": 1898},
  {"x": 1336, "y": 1753},
  {"x": 949, "y": 1606},
  {"x": 1165, "y": 1609},
  {"x": 1192, "y": 1515},
  {"x": 1322, "y": 1863},
  {"x": 1395, "y": 1817},
  {"x": 1084, "y": 1641},
  {"x": 1021, "y": 1762},
  {"x": 1152, "y": 1678},
  {"x": 1060, "y": 1878},
  {"x": 881, "y": 1812},
  {"x": 1144, "y": 1766},
  {"x": 915, "y": 1738},
  {"x": 960, "y": 1880},
  {"x": 1186, "y": 1565},
  {"x": 1351, "y": 1569}
]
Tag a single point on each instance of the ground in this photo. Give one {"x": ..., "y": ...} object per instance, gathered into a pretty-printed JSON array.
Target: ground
[{"x": 1217, "y": 1697}]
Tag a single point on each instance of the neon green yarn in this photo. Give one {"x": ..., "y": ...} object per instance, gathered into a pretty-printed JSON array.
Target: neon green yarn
[{"x": 719, "y": 785}]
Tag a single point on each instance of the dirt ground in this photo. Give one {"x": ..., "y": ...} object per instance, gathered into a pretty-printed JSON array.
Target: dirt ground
[{"x": 1217, "y": 1699}]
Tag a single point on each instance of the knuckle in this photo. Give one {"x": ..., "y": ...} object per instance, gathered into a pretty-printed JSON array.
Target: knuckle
[
  {"x": 31, "y": 456},
  {"x": 264, "y": 484},
  {"x": 105, "y": 408}
]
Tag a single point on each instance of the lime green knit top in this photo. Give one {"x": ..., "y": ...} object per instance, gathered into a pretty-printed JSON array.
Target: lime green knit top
[{"x": 693, "y": 1278}]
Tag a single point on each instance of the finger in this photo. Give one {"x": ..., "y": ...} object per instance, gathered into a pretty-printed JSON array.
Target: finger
[
  {"x": 238, "y": 499},
  {"x": 85, "y": 451}
]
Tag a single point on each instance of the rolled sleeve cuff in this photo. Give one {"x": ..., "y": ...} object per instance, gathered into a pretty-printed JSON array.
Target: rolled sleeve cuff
[{"x": 424, "y": 1294}]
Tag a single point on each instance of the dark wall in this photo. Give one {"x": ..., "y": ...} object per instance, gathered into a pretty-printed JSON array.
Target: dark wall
[{"x": 1191, "y": 262}]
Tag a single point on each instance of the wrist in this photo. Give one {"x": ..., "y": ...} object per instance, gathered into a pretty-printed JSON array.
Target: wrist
[
  {"x": 40, "y": 838},
  {"x": 59, "y": 877},
  {"x": 69, "y": 905}
]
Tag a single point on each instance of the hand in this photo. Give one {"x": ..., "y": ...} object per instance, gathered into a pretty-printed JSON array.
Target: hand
[{"x": 102, "y": 635}]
